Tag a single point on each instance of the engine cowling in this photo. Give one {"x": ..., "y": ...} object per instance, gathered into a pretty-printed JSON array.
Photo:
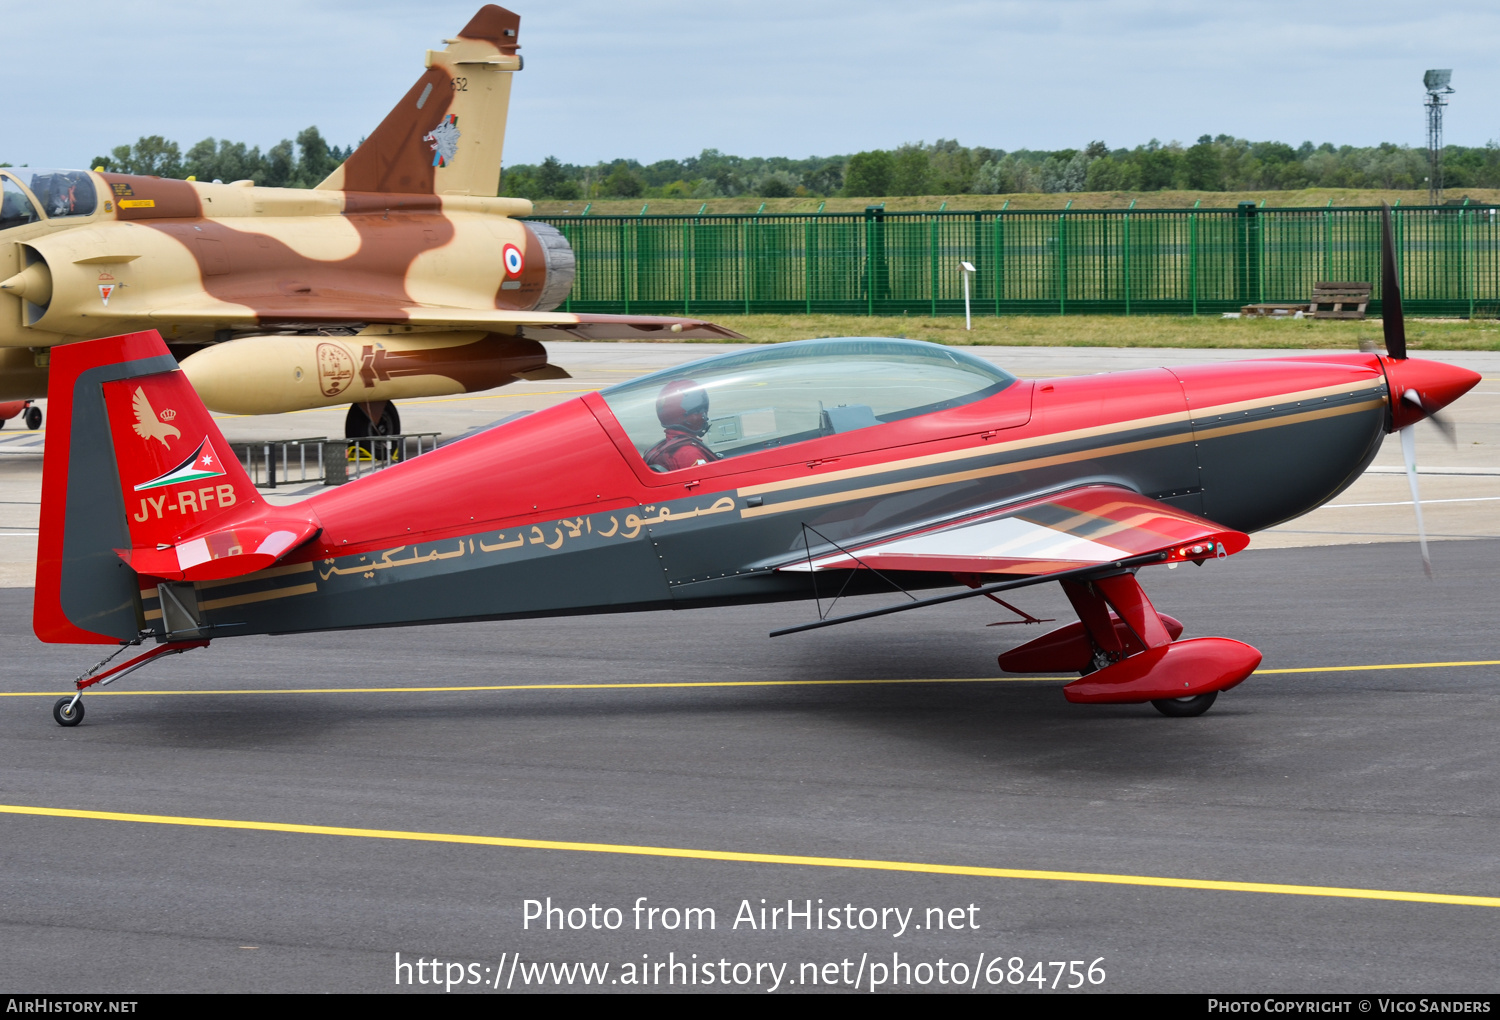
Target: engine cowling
[{"x": 274, "y": 374}]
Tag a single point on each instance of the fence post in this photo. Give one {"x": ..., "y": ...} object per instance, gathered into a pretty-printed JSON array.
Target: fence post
[
  {"x": 687, "y": 276},
  {"x": 745, "y": 241},
  {"x": 1398, "y": 229},
  {"x": 1193, "y": 258},
  {"x": 567, "y": 233},
  {"x": 1127, "y": 257},
  {"x": 1328, "y": 242},
  {"x": 932, "y": 246},
  {"x": 999, "y": 233},
  {"x": 624, "y": 267},
  {"x": 1062, "y": 264},
  {"x": 1463, "y": 240},
  {"x": 869, "y": 265},
  {"x": 1260, "y": 258},
  {"x": 807, "y": 261}
]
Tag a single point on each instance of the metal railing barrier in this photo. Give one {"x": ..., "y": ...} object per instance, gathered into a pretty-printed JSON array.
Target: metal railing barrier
[{"x": 332, "y": 461}]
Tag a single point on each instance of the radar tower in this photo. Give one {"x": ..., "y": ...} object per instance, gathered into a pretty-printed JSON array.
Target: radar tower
[{"x": 1436, "y": 83}]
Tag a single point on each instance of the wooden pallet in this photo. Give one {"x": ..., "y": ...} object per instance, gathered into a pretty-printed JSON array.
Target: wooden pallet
[
  {"x": 1272, "y": 310},
  {"x": 1339, "y": 300}
]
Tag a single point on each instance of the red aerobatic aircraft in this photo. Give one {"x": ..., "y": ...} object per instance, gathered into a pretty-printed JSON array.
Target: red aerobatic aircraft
[{"x": 785, "y": 472}]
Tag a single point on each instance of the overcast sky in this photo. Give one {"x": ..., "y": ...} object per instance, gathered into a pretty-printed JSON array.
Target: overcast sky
[{"x": 658, "y": 79}]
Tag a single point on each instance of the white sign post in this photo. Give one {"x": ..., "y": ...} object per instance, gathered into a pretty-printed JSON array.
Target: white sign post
[{"x": 966, "y": 268}]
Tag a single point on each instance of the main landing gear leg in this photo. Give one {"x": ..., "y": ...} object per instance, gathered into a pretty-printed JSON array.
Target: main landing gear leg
[
  {"x": 1128, "y": 653},
  {"x": 68, "y": 711}
]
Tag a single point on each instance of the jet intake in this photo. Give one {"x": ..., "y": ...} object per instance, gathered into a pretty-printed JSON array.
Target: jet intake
[
  {"x": 274, "y": 374},
  {"x": 34, "y": 283}
]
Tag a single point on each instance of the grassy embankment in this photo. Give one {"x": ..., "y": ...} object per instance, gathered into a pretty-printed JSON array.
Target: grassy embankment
[
  {"x": 1306, "y": 198},
  {"x": 1122, "y": 331}
]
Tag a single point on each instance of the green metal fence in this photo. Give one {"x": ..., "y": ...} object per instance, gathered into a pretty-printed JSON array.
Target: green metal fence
[{"x": 1119, "y": 262}]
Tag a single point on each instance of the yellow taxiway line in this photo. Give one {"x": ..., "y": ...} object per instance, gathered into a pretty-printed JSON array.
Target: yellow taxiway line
[
  {"x": 1282, "y": 889},
  {"x": 704, "y": 683}
]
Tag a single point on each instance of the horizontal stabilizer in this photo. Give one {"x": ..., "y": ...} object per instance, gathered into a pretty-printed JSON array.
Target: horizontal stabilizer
[{"x": 224, "y": 551}]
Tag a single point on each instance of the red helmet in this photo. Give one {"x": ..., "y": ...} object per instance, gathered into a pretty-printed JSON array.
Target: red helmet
[{"x": 683, "y": 404}]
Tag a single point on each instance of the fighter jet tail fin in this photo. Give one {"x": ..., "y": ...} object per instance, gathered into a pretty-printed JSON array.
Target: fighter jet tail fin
[{"x": 447, "y": 134}]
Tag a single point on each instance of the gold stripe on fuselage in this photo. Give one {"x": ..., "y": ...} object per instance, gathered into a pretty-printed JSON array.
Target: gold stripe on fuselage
[
  {"x": 1091, "y": 453},
  {"x": 258, "y": 596},
  {"x": 1183, "y": 417},
  {"x": 240, "y": 600}
]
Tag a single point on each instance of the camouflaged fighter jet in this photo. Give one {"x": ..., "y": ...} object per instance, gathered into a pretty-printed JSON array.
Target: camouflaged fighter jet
[{"x": 401, "y": 275}]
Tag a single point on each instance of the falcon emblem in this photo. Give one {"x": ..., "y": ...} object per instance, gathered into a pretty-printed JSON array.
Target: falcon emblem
[{"x": 147, "y": 425}]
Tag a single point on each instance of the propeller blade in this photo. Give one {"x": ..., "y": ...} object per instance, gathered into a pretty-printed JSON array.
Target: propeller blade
[
  {"x": 1409, "y": 454},
  {"x": 1445, "y": 426},
  {"x": 1443, "y": 422},
  {"x": 1391, "y": 320}
]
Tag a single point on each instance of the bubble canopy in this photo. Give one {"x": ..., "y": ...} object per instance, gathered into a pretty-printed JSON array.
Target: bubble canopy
[
  {"x": 789, "y": 393},
  {"x": 58, "y": 192}
]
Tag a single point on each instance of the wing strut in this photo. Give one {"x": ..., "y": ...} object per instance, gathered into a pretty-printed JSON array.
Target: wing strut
[
  {"x": 816, "y": 598},
  {"x": 1062, "y": 575}
]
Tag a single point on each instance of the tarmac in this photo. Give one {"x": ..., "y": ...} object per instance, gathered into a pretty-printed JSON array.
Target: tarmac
[{"x": 291, "y": 813}]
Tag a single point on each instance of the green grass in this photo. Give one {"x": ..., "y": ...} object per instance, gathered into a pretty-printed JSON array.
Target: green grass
[{"x": 1122, "y": 331}]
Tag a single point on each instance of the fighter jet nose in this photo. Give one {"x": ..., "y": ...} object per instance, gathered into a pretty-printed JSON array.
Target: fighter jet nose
[{"x": 1420, "y": 388}]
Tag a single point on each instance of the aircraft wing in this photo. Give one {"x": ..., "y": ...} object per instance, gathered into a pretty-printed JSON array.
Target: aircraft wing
[
  {"x": 1081, "y": 527},
  {"x": 582, "y": 325}
]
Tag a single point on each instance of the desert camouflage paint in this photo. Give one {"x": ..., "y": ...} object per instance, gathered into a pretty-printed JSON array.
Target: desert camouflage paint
[{"x": 401, "y": 275}]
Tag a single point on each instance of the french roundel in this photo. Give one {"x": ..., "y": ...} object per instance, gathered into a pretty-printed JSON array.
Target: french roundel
[{"x": 514, "y": 263}]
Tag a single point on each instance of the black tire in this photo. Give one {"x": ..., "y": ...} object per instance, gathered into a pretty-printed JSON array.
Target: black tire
[
  {"x": 66, "y": 716},
  {"x": 357, "y": 424},
  {"x": 33, "y": 417},
  {"x": 1184, "y": 708}
]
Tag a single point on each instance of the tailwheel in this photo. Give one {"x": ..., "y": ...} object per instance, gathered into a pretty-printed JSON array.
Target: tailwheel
[
  {"x": 68, "y": 711},
  {"x": 1183, "y": 708}
]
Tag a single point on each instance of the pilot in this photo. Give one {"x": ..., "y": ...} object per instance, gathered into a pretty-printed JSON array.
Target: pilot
[{"x": 682, "y": 409}]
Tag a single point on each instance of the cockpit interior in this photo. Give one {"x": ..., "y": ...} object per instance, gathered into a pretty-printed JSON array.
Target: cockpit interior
[
  {"x": 28, "y": 194},
  {"x": 794, "y": 392}
]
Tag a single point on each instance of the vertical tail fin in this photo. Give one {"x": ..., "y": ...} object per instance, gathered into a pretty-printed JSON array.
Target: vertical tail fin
[
  {"x": 447, "y": 135},
  {"x": 138, "y": 482}
]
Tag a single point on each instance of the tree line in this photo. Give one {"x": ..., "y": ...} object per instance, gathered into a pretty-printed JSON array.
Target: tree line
[
  {"x": 1218, "y": 163},
  {"x": 284, "y": 165}
]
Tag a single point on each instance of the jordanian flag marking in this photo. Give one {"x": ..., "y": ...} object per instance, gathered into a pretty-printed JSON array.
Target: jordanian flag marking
[{"x": 204, "y": 463}]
